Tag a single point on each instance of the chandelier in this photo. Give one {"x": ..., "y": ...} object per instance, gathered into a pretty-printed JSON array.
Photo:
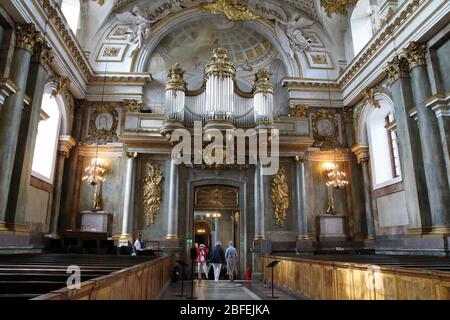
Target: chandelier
[
  {"x": 95, "y": 176},
  {"x": 336, "y": 179}
]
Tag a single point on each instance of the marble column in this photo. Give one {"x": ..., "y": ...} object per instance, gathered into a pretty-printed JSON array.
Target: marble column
[
  {"x": 172, "y": 214},
  {"x": 12, "y": 109},
  {"x": 432, "y": 150},
  {"x": 39, "y": 73},
  {"x": 410, "y": 150},
  {"x": 127, "y": 214},
  {"x": 301, "y": 204},
  {"x": 259, "y": 203},
  {"x": 217, "y": 231},
  {"x": 362, "y": 156},
  {"x": 65, "y": 144}
]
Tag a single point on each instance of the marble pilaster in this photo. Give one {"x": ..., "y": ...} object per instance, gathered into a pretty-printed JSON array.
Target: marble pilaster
[
  {"x": 11, "y": 115},
  {"x": 362, "y": 156},
  {"x": 65, "y": 144},
  {"x": 259, "y": 203},
  {"x": 432, "y": 150},
  {"x": 301, "y": 204},
  {"x": 410, "y": 149},
  {"x": 172, "y": 214},
  {"x": 127, "y": 214}
]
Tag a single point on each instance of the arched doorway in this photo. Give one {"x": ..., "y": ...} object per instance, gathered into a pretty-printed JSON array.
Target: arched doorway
[{"x": 217, "y": 215}]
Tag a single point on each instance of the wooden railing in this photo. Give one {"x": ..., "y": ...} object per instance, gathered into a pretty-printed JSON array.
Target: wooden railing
[
  {"x": 140, "y": 282},
  {"x": 331, "y": 280}
]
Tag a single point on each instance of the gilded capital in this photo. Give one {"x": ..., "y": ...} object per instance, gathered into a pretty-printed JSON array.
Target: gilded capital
[
  {"x": 301, "y": 158},
  {"x": 131, "y": 155},
  {"x": 65, "y": 144},
  {"x": 26, "y": 36},
  {"x": 337, "y": 6},
  {"x": 43, "y": 53},
  {"x": 414, "y": 53},
  {"x": 361, "y": 152},
  {"x": 396, "y": 68},
  {"x": 62, "y": 85},
  {"x": 369, "y": 96}
]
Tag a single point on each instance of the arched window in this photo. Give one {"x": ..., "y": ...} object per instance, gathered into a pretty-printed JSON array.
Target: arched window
[
  {"x": 47, "y": 139},
  {"x": 384, "y": 154},
  {"x": 364, "y": 24},
  {"x": 71, "y": 10}
]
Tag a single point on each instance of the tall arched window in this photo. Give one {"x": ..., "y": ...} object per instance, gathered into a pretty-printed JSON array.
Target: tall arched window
[
  {"x": 384, "y": 154},
  {"x": 71, "y": 10},
  {"x": 364, "y": 23},
  {"x": 47, "y": 139}
]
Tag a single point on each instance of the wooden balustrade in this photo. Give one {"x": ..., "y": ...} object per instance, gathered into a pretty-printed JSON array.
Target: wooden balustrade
[
  {"x": 338, "y": 280},
  {"x": 140, "y": 282}
]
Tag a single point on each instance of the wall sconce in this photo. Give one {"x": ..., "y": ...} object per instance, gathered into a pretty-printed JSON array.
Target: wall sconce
[
  {"x": 213, "y": 215},
  {"x": 201, "y": 231},
  {"x": 95, "y": 176}
]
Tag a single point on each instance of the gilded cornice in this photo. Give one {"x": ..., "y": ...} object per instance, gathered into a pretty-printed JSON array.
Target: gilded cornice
[
  {"x": 120, "y": 79},
  {"x": 67, "y": 37},
  {"x": 314, "y": 85},
  {"x": 382, "y": 37}
]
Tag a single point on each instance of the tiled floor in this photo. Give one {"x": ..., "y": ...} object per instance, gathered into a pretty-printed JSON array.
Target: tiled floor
[{"x": 225, "y": 290}]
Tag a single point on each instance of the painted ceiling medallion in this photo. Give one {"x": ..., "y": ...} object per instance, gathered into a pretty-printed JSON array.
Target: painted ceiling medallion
[
  {"x": 231, "y": 9},
  {"x": 337, "y": 6}
]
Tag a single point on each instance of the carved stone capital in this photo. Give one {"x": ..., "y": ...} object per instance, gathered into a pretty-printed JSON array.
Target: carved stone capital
[
  {"x": 361, "y": 152},
  {"x": 131, "y": 155},
  {"x": 26, "y": 36},
  {"x": 396, "y": 68},
  {"x": 65, "y": 144},
  {"x": 414, "y": 53}
]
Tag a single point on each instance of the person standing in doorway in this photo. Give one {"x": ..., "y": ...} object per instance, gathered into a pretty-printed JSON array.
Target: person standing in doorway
[
  {"x": 231, "y": 258},
  {"x": 217, "y": 259},
  {"x": 202, "y": 253}
]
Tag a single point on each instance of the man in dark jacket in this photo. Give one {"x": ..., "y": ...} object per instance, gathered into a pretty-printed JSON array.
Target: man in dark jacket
[{"x": 217, "y": 259}]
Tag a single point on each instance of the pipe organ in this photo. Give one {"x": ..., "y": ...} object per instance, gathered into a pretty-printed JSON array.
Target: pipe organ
[{"x": 219, "y": 103}]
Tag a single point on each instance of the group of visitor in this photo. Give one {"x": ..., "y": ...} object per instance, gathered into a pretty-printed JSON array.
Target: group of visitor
[{"x": 218, "y": 258}]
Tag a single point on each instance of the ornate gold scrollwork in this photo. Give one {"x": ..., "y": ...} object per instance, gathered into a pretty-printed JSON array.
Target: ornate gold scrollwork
[
  {"x": 152, "y": 192},
  {"x": 369, "y": 95},
  {"x": 26, "y": 36},
  {"x": 280, "y": 197},
  {"x": 299, "y": 110},
  {"x": 231, "y": 9},
  {"x": 337, "y": 6},
  {"x": 103, "y": 125},
  {"x": 133, "y": 105}
]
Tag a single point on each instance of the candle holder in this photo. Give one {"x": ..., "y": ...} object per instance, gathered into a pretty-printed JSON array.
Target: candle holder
[{"x": 95, "y": 177}]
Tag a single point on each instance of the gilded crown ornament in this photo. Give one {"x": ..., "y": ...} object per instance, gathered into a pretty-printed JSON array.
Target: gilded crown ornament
[
  {"x": 262, "y": 83},
  {"x": 231, "y": 9},
  {"x": 220, "y": 64},
  {"x": 176, "y": 81}
]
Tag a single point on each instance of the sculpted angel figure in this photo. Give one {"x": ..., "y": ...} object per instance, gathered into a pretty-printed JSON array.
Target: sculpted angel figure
[
  {"x": 141, "y": 25},
  {"x": 294, "y": 26}
]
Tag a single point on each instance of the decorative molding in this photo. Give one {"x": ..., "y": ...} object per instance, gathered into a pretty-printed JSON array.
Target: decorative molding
[
  {"x": 377, "y": 43},
  {"x": 152, "y": 192},
  {"x": 62, "y": 85},
  {"x": 369, "y": 96},
  {"x": 361, "y": 152},
  {"x": 280, "y": 197},
  {"x": 134, "y": 106},
  {"x": 43, "y": 53},
  {"x": 7, "y": 87}
]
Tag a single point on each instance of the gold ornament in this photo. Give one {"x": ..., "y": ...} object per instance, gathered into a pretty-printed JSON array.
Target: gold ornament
[
  {"x": 337, "y": 6},
  {"x": 26, "y": 36},
  {"x": 176, "y": 81},
  {"x": 152, "y": 192},
  {"x": 414, "y": 53},
  {"x": 280, "y": 197},
  {"x": 262, "y": 83},
  {"x": 299, "y": 110},
  {"x": 231, "y": 9}
]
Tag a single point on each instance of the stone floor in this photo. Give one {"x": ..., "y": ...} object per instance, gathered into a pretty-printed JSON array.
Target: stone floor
[{"x": 226, "y": 290}]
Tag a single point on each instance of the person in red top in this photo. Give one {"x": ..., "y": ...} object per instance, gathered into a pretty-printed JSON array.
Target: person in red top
[{"x": 202, "y": 253}]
